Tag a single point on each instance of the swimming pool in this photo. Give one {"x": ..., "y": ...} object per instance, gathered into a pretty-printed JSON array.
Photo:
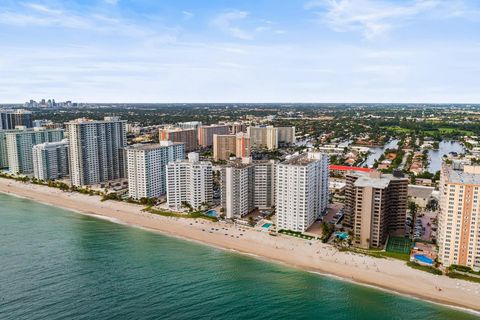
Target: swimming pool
[
  {"x": 266, "y": 225},
  {"x": 341, "y": 235},
  {"x": 211, "y": 213},
  {"x": 423, "y": 259}
]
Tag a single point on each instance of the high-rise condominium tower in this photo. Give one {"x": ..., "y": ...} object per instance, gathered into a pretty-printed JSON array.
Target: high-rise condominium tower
[
  {"x": 146, "y": 167},
  {"x": 9, "y": 119},
  {"x": 19, "y": 144},
  {"x": 187, "y": 136},
  {"x": 264, "y": 137},
  {"x": 459, "y": 217},
  {"x": 376, "y": 206},
  {"x": 50, "y": 160},
  {"x": 205, "y": 134},
  {"x": 226, "y": 146},
  {"x": 189, "y": 181},
  {"x": 96, "y": 150},
  {"x": 302, "y": 191},
  {"x": 246, "y": 185}
]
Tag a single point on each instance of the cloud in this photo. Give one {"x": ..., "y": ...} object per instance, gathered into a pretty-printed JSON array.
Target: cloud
[
  {"x": 226, "y": 23},
  {"x": 187, "y": 15},
  {"x": 38, "y": 15},
  {"x": 111, "y": 2},
  {"x": 370, "y": 17}
]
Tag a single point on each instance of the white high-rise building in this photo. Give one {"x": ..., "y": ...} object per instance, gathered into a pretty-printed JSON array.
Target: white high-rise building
[
  {"x": 189, "y": 181},
  {"x": 96, "y": 150},
  {"x": 50, "y": 160},
  {"x": 247, "y": 185},
  {"x": 264, "y": 183},
  {"x": 238, "y": 188},
  {"x": 459, "y": 217},
  {"x": 302, "y": 191},
  {"x": 146, "y": 167},
  {"x": 19, "y": 144}
]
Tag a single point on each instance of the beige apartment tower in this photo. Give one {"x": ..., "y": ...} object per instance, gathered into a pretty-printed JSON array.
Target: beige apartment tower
[
  {"x": 375, "y": 206},
  {"x": 186, "y": 136},
  {"x": 458, "y": 220},
  {"x": 227, "y": 146},
  {"x": 205, "y": 134}
]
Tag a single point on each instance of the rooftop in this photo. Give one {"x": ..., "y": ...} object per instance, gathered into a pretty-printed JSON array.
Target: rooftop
[
  {"x": 420, "y": 191},
  {"x": 151, "y": 146},
  {"x": 369, "y": 182},
  {"x": 458, "y": 175},
  {"x": 299, "y": 160},
  {"x": 349, "y": 168},
  {"x": 88, "y": 120}
]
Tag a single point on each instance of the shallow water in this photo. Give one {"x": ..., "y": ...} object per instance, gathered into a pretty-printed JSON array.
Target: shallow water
[{"x": 57, "y": 264}]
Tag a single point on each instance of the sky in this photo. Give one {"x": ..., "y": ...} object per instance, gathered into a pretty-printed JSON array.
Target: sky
[{"x": 417, "y": 51}]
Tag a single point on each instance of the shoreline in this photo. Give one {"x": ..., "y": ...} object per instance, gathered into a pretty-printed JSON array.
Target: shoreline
[{"x": 391, "y": 276}]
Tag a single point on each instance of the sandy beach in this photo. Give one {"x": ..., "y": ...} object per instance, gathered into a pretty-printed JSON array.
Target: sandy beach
[{"x": 314, "y": 256}]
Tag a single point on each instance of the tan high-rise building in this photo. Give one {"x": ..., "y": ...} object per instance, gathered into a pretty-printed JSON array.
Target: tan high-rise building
[
  {"x": 226, "y": 146},
  {"x": 237, "y": 127},
  {"x": 205, "y": 134},
  {"x": 286, "y": 135},
  {"x": 458, "y": 220},
  {"x": 263, "y": 137},
  {"x": 376, "y": 206},
  {"x": 187, "y": 136},
  {"x": 242, "y": 145}
]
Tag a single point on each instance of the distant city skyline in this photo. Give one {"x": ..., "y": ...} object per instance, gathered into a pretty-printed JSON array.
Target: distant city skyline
[{"x": 121, "y": 51}]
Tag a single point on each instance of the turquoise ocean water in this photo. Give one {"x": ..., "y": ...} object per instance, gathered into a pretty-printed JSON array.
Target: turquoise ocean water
[{"x": 56, "y": 264}]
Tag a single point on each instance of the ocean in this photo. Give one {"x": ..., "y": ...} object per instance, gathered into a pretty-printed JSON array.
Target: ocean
[{"x": 57, "y": 264}]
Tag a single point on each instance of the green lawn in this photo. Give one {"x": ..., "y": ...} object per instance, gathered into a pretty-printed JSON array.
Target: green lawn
[
  {"x": 455, "y": 275},
  {"x": 377, "y": 253},
  {"x": 397, "y": 129},
  {"x": 192, "y": 215}
]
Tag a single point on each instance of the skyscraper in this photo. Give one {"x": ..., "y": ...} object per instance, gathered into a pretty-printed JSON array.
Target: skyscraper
[
  {"x": 459, "y": 217},
  {"x": 50, "y": 160},
  {"x": 146, "y": 167},
  {"x": 189, "y": 181},
  {"x": 96, "y": 150},
  {"x": 19, "y": 144},
  {"x": 376, "y": 206},
  {"x": 302, "y": 191}
]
